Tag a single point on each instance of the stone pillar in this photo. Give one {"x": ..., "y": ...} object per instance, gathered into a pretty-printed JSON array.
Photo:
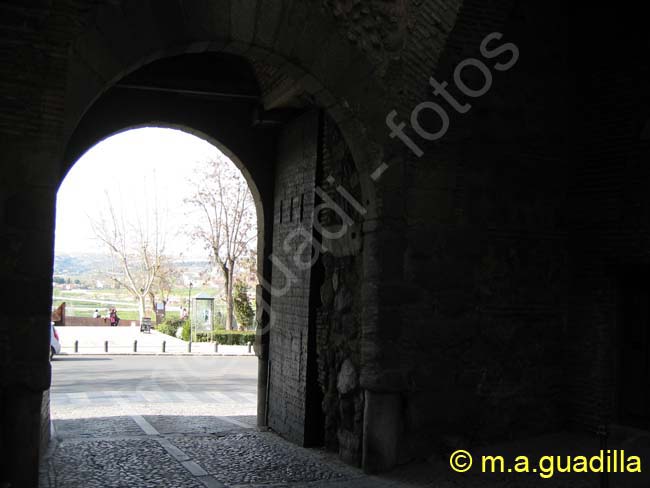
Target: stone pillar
[
  {"x": 382, "y": 426},
  {"x": 263, "y": 376},
  {"x": 21, "y": 437}
]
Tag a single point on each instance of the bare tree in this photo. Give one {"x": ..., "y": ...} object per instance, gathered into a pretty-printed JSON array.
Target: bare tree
[
  {"x": 136, "y": 243},
  {"x": 164, "y": 283},
  {"x": 228, "y": 227}
]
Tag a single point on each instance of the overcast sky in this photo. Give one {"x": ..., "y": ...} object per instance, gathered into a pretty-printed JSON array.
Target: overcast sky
[{"x": 120, "y": 165}]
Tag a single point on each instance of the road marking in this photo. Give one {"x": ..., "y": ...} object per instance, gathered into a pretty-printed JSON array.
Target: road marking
[
  {"x": 194, "y": 468},
  {"x": 144, "y": 425},
  {"x": 210, "y": 482},
  {"x": 174, "y": 451},
  {"x": 236, "y": 397},
  {"x": 152, "y": 396},
  {"x": 219, "y": 397},
  {"x": 80, "y": 398},
  {"x": 157, "y": 397},
  {"x": 190, "y": 466},
  {"x": 185, "y": 396},
  {"x": 250, "y": 397},
  {"x": 236, "y": 422}
]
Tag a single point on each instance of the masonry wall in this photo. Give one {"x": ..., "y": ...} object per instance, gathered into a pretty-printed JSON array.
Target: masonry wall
[
  {"x": 474, "y": 304},
  {"x": 489, "y": 303},
  {"x": 340, "y": 314},
  {"x": 609, "y": 218}
]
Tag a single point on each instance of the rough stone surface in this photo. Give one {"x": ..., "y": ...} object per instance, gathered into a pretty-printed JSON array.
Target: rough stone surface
[
  {"x": 339, "y": 316},
  {"x": 229, "y": 457},
  {"x": 347, "y": 380},
  {"x": 494, "y": 267},
  {"x": 132, "y": 462}
]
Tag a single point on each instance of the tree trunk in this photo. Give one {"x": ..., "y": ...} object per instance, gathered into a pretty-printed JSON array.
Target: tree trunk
[
  {"x": 152, "y": 298},
  {"x": 229, "y": 304},
  {"x": 231, "y": 312},
  {"x": 141, "y": 306}
]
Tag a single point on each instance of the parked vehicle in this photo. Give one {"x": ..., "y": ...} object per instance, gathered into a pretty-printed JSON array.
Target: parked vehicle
[{"x": 55, "y": 344}]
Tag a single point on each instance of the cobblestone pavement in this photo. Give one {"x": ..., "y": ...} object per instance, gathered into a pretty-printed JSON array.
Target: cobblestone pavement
[
  {"x": 156, "y": 436},
  {"x": 200, "y": 444},
  {"x": 124, "y": 443}
]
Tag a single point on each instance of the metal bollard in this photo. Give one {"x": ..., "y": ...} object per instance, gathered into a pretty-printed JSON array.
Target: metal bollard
[
  {"x": 250, "y": 345},
  {"x": 164, "y": 344},
  {"x": 76, "y": 346},
  {"x": 105, "y": 346},
  {"x": 135, "y": 346},
  {"x": 189, "y": 346},
  {"x": 216, "y": 347}
]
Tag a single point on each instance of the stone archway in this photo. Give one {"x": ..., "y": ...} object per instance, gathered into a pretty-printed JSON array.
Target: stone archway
[
  {"x": 285, "y": 91},
  {"x": 288, "y": 61}
]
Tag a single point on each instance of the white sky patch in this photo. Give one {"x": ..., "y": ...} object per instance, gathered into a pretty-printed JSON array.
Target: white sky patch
[{"x": 161, "y": 159}]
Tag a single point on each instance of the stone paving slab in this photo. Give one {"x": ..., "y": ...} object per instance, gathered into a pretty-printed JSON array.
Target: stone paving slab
[
  {"x": 250, "y": 457},
  {"x": 166, "y": 424}
]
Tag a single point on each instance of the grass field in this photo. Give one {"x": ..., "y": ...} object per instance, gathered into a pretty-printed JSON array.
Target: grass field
[{"x": 83, "y": 302}]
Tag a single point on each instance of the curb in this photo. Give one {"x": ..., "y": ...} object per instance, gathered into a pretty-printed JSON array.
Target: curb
[{"x": 73, "y": 354}]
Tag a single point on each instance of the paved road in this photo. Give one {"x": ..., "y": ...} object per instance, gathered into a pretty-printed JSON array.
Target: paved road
[{"x": 73, "y": 374}]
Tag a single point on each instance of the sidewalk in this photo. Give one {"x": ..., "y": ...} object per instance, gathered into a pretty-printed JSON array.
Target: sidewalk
[
  {"x": 137, "y": 448},
  {"x": 209, "y": 439},
  {"x": 91, "y": 340}
]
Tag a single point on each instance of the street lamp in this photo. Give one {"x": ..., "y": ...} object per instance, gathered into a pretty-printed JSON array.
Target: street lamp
[{"x": 189, "y": 310}]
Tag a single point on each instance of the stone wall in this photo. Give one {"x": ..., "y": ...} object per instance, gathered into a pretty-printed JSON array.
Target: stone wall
[
  {"x": 474, "y": 301},
  {"x": 92, "y": 322},
  {"x": 340, "y": 314},
  {"x": 483, "y": 303},
  {"x": 609, "y": 220},
  {"x": 45, "y": 423}
]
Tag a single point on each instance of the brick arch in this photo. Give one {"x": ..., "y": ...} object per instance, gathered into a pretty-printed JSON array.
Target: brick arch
[
  {"x": 295, "y": 38},
  {"x": 299, "y": 41}
]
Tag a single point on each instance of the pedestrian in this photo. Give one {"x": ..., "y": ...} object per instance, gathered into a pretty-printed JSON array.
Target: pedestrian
[
  {"x": 113, "y": 317},
  {"x": 96, "y": 314}
]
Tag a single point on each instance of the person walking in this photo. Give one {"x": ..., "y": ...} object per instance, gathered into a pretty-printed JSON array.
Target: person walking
[{"x": 112, "y": 317}]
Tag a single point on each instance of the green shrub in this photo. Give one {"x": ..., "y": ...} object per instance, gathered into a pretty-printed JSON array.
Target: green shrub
[
  {"x": 233, "y": 338},
  {"x": 166, "y": 328},
  {"x": 243, "y": 309},
  {"x": 170, "y": 326},
  {"x": 185, "y": 334},
  {"x": 202, "y": 337}
]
